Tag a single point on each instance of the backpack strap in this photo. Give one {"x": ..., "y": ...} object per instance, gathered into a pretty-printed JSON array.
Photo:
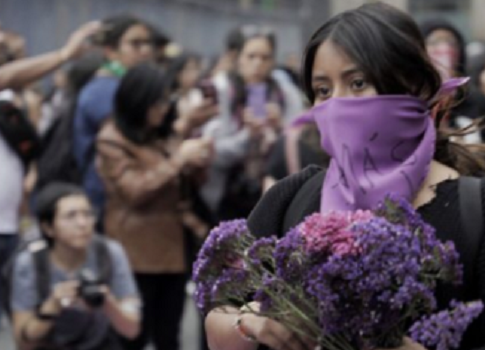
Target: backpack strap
[
  {"x": 42, "y": 272},
  {"x": 103, "y": 259},
  {"x": 471, "y": 213},
  {"x": 292, "y": 151}
]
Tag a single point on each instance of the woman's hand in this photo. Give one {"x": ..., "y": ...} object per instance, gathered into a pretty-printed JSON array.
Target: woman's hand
[
  {"x": 77, "y": 41},
  {"x": 274, "y": 115},
  {"x": 273, "y": 334},
  {"x": 63, "y": 295},
  {"x": 195, "y": 152},
  {"x": 409, "y": 344},
  {"x": 195, "y": 116},
  {"x": 253, "y": 124}
]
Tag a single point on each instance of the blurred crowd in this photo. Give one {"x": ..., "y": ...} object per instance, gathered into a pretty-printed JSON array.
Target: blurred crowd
[{"x": 136, "y": 150}]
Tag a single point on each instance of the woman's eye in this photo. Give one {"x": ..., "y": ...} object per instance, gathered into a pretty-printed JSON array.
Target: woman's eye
[
  {"x": 322, "y": 92},
  {"x": 358, "y": 84}
]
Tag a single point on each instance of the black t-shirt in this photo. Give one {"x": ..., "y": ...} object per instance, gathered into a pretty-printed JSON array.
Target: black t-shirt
[{"x": 291, "y": 200}]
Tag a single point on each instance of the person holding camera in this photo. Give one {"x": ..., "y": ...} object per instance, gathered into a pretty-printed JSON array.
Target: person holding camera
[{"x": 76, "y": 290}]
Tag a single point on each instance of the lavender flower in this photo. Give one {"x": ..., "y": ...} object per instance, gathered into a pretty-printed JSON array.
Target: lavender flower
[
  {"x": 263, "y": 294},
  {"x": 352, "y": 280},
  {"x": 261, "y": 252},
  {"x": 290, "y": 257},
  {"x": 445, "y": 329},
  {"x": 223, "y": 250}
]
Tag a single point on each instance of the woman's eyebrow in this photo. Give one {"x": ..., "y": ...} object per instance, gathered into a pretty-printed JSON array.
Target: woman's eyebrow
[
  {"x": 320, "y": 76},
  {"x": 349, "y": 71}
]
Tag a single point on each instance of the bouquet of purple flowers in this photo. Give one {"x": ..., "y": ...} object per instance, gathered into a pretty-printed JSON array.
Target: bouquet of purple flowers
[{"x": 347, "y": 280}]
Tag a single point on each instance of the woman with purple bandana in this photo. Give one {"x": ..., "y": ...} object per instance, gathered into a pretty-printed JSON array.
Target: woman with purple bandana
[{"x": 377, "y": 99}]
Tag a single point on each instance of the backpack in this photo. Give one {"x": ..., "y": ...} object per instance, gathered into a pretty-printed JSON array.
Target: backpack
[
  {"x": 18, "y": 132},
  {"x": 57, "y": 162},
  {"x": 40, "y": 253}
]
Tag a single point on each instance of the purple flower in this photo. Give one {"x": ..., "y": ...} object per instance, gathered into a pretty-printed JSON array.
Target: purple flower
[
  {"x": 445, "y": 329},
  {"x": 261, "y": 251},
  {"x": 360, "y": 276},
  {"x": 290, "y": 257},
  {"x": 223, "y": 247},
  {"x": 263, "y": 294},
  {"x": 220, "y": 258},
  {"x": 226, "y": 283}
]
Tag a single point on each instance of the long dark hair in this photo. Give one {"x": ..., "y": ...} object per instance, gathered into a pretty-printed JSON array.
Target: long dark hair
[
  {"x": 388, "y": 47},
  {"x": 247, "y": 33},
  {"x": 141, "y": 88}
]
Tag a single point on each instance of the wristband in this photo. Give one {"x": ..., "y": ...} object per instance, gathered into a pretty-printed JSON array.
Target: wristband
[{"x": 238, "y": 326}]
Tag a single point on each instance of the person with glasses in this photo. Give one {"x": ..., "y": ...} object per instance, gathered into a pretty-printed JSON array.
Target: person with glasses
[
  {"x": 125, "y": 41},
  {"x": 82, "y": 306}
]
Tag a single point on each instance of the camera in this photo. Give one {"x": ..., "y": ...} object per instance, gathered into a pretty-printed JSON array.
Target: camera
[
  {"x": 90, "y": 289},
  {"x": 208, "y": 90}
]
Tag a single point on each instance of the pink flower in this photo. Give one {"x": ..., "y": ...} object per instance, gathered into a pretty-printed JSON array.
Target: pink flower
[{"x": 331, "y": 233}]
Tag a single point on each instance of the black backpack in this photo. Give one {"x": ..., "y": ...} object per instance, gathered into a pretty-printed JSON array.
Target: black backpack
[
  {"x": 40, "y": 253},
  {"x": 57, "y": 162},
  {"x": 19, "y": 133}
]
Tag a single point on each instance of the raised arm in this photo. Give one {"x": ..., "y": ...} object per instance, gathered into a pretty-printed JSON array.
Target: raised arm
[{"x": 24, "y": 71}]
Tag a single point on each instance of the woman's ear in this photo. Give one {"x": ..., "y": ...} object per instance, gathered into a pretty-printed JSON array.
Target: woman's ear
[{"x": 47, "y": 229}]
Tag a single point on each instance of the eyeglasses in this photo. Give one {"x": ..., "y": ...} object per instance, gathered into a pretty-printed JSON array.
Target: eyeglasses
[{"x": 137, "y": 44}]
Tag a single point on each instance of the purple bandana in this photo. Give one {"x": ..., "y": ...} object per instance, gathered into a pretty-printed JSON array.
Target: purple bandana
[{"x": 379, "y": 145}]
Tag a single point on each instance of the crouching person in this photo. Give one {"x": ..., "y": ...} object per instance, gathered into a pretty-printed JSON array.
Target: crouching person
[{"x": 77, "y": 292}]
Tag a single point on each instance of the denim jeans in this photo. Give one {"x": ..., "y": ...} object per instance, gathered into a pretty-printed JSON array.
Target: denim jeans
[{"x": 8, "y": 244}]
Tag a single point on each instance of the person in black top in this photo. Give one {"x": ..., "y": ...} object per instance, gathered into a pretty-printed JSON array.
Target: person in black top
[{"x": 356, "y": 58}]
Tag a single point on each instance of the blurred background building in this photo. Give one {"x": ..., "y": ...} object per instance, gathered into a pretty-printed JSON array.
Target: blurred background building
[{"x": 201, "y": 25}]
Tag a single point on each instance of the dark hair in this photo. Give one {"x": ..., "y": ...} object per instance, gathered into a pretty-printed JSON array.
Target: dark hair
[
  {"x": 388, "y": 47},
  {"x": 429, "y": 26},
  {"x": 82, "y": 70},
  {"x": 115, "y": 27},
  {"x": 177, "y": 66},
  {"x": 47, "y": 199},
  {"x": 234, "y": 40},
  {"x": 142, "y": 87},
  {"x": 379, "y": 38},
  {"x": 238, "y": 37},
  {"x": 160, "y": 38}
]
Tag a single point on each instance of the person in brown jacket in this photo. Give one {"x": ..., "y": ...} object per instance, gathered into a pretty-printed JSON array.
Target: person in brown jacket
[{"x": 142, "y": 162}]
